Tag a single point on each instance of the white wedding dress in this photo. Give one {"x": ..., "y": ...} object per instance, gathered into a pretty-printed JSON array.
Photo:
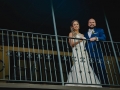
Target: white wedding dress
[{"x": 81, "y": 73}]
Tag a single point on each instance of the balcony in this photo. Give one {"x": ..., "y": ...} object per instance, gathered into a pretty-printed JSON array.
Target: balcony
[{"x": 27, "y": 57}]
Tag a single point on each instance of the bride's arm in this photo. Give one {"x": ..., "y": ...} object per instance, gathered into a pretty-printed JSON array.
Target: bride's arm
[{"x": 71, "y": 41}]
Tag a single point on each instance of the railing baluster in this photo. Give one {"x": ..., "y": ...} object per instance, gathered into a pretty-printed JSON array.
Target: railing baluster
[
  {"x": 99, "y": 58},
  {"x": 64, "y": 57},
  {"x": 78, "y": 59},
  {"x": 118, "y": 54},
  {"x": 82, "y": 57},
  {"x": 29, "y": 56},
  {"x": 19, "y": 55},
  {"x": 34, "y": 66},
  {"x": 3, "y": 54},
  {"x": 90, "y": 59},
  {"x": 118, "y": 49},
  {"x": 95, "y": 61},
  {"x": 69, "y": 57},
  {"x": 107, "y": 59},
  {"x": 14, "y": 56},
  {"x": 88, "y": 62},
  {"x": 48, "y": 57},
  {"x": 39, "y": 58},
  {"x": 45, "y": 68},
  {"x": 8, "y": 53},
  {"x": 112, "y": 65},
  {"x": 53, "y": 57},
  {"x": 24, "y": 56},
  {"x": 104, "y": 65}
]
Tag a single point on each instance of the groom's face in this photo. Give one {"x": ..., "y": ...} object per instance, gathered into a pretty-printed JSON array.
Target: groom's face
[{"x": 91, "y": 23}]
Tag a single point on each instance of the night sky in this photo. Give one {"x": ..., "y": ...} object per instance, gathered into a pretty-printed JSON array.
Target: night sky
[{"x": 35, "y": 15}]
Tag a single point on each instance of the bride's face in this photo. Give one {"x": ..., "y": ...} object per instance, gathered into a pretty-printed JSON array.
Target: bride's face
[{"x": 76, "y": 26}]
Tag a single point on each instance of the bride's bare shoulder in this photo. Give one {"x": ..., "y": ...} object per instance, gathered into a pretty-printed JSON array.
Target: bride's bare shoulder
[{"x": 70, "y": 34}]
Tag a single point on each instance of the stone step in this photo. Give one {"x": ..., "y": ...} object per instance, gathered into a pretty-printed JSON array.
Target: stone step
[{"x": 53, "y": 87}]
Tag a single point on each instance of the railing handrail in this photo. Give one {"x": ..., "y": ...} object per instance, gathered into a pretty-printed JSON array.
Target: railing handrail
[{"x": 47, "y": 34}]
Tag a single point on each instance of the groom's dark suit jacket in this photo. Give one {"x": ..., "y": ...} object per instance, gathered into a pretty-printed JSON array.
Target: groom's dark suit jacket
[{"x": 94, "y": 48}]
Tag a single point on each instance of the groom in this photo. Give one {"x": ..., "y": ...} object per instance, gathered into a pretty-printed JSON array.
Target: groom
[{"x": 93, "y": 48}]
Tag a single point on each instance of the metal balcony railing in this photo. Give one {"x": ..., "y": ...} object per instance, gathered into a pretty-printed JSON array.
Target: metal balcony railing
[{"x": 32, "y": 57}]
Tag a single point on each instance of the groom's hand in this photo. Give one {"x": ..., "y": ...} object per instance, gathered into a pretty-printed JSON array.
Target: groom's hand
[{"x": 93, "y": 39}]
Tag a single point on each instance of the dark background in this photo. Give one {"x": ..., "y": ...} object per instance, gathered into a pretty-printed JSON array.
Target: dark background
[{"x": 36, "y": 16}]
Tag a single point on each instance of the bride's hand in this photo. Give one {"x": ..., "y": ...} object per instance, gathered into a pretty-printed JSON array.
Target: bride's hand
[{"x": 83, "y": 38}]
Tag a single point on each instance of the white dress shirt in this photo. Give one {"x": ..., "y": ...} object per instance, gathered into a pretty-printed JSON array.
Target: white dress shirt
[{"x": 90, "y": 31}]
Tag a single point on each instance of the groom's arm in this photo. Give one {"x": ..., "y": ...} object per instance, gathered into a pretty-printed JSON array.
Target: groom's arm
[{"x": 101, "y": 36}]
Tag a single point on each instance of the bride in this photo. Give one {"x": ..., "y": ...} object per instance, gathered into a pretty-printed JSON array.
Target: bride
[{"x": 81, "y": 73}]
